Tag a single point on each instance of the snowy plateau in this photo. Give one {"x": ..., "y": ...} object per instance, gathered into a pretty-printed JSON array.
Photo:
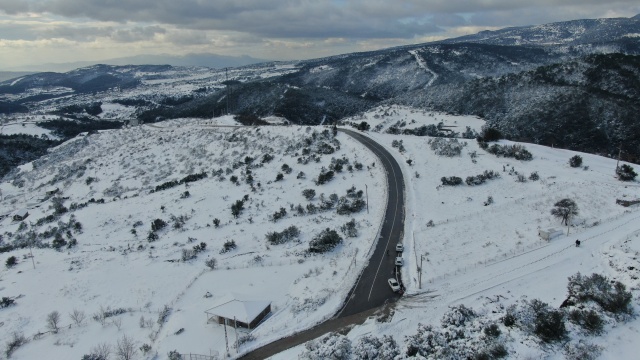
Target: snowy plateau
[{"x": 125, "y": 223}]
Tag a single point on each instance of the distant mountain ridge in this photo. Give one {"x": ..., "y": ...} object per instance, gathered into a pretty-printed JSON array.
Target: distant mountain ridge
[
  {"x": 195, "y": 59},
  {"x": 573, "y": 84},
  {"x": 569, "y": 33}
]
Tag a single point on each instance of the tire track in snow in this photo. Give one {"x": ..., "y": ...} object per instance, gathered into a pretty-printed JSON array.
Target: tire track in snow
[{"x": 423, "y": 65}]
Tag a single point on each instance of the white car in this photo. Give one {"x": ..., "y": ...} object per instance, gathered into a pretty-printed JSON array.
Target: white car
[
  {"x": 399, "y": 247},
  {"x": 399, "y": 261},
  {"x": 394, "y": 284}
]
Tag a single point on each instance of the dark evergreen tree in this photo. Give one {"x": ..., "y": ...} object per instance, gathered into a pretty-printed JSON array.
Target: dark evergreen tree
[
  {"x": 575, "y": 161},
  {"x": 625, "y": 173}
]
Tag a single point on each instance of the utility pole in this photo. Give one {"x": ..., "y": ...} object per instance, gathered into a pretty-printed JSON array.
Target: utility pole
[
  {"x": 367, "y": 191},
  {"x": 619, "y": 155},
  {"x": 226, "y": 71},
  {"x": 31, "y": 253},
  {"x": 420, "y": 272},
  {"x": 235, "y": 328},
  {"x": 226, "y": 339}
]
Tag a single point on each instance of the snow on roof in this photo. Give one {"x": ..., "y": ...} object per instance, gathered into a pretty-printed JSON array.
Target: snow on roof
[
  {"x": 231, "y": 307},
  {"x": 22, "y": 212}
]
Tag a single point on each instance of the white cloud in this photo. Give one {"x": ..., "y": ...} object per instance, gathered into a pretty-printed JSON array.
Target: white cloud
[{"x": 273, "y": 29}]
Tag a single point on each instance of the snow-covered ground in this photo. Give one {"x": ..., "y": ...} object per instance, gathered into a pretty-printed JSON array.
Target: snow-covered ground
[
  {"x": 485, "y": 257},
  {"x": 115, "y": 266}
]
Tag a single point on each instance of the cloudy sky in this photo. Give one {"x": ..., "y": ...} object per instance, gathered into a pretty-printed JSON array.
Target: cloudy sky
[{"x": 57, "y": 31}]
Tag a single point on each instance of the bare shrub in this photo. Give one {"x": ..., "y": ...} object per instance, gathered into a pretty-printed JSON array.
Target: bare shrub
[
  {"x": 53, "y": 321},
  {"x": 17, "y": 340},
  {"x": 125, "y": 348},
  {"x": 211, "y": 263},
  {"x": 77, "y": 316}
]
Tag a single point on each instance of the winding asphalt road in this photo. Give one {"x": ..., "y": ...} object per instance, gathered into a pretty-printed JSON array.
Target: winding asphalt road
[{"x": 371, "y": 291}]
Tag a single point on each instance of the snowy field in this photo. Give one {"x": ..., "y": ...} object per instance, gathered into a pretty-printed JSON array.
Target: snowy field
[{"x": 486, "y": 257}]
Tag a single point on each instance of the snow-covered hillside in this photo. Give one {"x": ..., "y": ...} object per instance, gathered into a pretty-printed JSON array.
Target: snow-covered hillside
[
  {"x": 481, "y": 252},
  {"x": 112, "y": 185}
]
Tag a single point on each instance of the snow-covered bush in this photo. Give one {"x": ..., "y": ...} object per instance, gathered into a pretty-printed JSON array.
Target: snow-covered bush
[
  {"x": 581, "y": 351},
  {"x": 451, "y": 181},
  {"x": 288, "y": 234},
  {"x": 575, "y": 161},
  {"x": 457, "y": 316},
  {"x": 349, "y": 229},
  {"x": 610, "y": 296},
  {"x": 188, "y": 254},
  {"x": 325, "y": 241},
  {"x": 516, "y": 151},
  {"x": 372, "y": 347},
  {"x": 211, "y": 263},
  {"x": 163, "y": 315},
  {"x": 228, "y": 246},
  {"x": 625, "y": 173},
  {"x": 446, "y": 146},
  {"x": 540, "y": 319},
  {"x": 279, "y": 214},
  {"x": 158, "y": 224},
  {"x": 346, "y": 207},
  {"x": 16, "y": 341},
  {"x": 332, "y": 346},
  {"x": 589, "y": 320},
  {"x": 482, "y": 178},
  {"x": 324, "y": 176},
  {"x": 309, "y": 193}
]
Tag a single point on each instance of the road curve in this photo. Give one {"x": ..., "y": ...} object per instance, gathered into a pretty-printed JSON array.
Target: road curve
[{"x": 371, "y": 291}]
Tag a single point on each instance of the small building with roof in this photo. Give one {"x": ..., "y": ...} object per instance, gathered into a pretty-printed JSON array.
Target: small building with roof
[
  {"x": 238, "y": 312},
  {"x": 20, "y": 215}
]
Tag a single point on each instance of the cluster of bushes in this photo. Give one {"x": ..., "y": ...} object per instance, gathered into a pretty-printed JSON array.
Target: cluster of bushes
[
  {"x": 446, "y": 147},
  {"x": 184, "y": 180},
  {"x": 451, "y": 181},
  {"x": 611, "y": 296},
  {"x": 349, "y": 229},
  {"x": 156, "y": 225},
  {"x": 338, "y": 165},
  {"x": 464, "y": 335},
  {"x": 399, "y": 145},
  {"x": 279, "y": 214},
  {"x": 424, "y": 130},
  {"x": 238, "y": 206},
  {"x": 346, "y": 206},
  {"x": 179, "y": 221},
  {"x": 325, "y": 241},
  {"x": 286, "y": 235},
  {"x": 482, "y": 178},
  {"x": 339, "y": 347},
  {"x": 470, "y": 180},
  {"x": 516, "y": 151},
  {"x": 228, "y": 246},
  {"x": 188, "y": 254},
  {"x": 324, "y": 176}
]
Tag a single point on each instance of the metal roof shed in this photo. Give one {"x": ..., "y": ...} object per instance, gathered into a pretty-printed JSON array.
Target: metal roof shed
[{"x": 234, "y": 312}]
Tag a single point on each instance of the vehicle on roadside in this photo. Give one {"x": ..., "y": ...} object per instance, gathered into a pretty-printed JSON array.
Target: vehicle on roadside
[
  {"x": 399, "y": 261},
  {"x": 399, "y": 247},
  {"x": 393, "y": 283}
]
